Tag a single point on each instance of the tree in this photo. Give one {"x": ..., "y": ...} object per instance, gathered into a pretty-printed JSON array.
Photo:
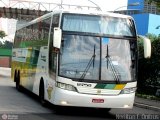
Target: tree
[
  {"x": 2, "y": 34},
  {"x": 157, "y": 2},
  {"x": 149, "y": 69},
  {"x": 6, "y": 45},
  {"x": 153, "y": 1}
]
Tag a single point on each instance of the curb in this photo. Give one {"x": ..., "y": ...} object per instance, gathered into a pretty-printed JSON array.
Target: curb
[{"x": 146, "y": 106}]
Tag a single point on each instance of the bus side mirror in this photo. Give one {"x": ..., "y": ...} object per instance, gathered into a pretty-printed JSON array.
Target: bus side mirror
[
  {"x": 57, "y": 37},
  {"x": 147, "y": 46}
]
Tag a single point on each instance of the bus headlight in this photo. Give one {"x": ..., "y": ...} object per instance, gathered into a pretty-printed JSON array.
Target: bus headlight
[
  {"x": 66, "y": 86},
  {"x": 128, "y": 90}
]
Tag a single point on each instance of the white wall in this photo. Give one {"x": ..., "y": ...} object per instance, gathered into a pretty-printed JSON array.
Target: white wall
[{"x": 5, "y": 71}]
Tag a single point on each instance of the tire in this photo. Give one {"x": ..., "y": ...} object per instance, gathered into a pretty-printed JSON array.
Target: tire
[
  {"x": 17, "y": 79},
  {"x": 41, "y": 94},
  {"x": 104, "y": 110},
  {"x": 108, "y": 109},
  {"x": 15, "y": 75},
  {"x": 60, "y": 110}
]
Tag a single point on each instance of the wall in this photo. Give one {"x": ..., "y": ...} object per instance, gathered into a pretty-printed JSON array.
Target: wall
[
  {"x": 139, "y": 7},
  {"x": 154, "y": 21},
  {"x": 142, "y": 21},
  {"x": 5, "y": 71},
  {"x": 5, "y": 62},
  {"x": 147, "y": 23},
  {"x": 5, "y": 57}
]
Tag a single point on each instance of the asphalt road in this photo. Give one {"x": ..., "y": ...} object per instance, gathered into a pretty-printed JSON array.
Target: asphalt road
[{"x": 16, "y": 105}]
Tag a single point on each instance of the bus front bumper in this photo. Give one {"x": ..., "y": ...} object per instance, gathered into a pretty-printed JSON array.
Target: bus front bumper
[{"x": 69, "y": 98}]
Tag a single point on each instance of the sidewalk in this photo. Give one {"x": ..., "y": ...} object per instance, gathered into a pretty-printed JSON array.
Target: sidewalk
[
  {"x": 5, "y": 71},
  {"x": 147, "y": 103}
]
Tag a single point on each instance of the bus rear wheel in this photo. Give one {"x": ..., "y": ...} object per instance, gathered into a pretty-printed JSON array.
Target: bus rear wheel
[{"x": 17, "y": 79}]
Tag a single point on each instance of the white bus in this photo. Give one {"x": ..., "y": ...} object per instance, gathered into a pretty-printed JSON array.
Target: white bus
[{"x": 75, "y": 58}]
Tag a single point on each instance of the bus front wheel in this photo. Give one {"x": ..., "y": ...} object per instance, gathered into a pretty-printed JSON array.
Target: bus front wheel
[{"x": 41, "y": 94}]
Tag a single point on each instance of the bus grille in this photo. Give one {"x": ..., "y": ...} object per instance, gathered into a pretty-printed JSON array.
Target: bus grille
[{"x": 98, "y": 91}]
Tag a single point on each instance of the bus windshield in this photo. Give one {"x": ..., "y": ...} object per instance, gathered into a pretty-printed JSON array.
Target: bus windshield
[
  {"x": 88, "y": 52},
  {"x": 98, "y": 25},
  {"x": 97, "y": 58}
]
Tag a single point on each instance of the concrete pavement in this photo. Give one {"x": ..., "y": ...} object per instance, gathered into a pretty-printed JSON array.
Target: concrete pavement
[
  {"x": 139, "y": 102},
  {"x": 147, "y": 103}
]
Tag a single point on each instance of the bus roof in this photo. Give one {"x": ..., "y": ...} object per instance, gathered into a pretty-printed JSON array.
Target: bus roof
[{"x": 89, "y": 12}]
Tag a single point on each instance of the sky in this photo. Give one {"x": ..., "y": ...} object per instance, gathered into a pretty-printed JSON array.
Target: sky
[{"x": 9, "y": 25}]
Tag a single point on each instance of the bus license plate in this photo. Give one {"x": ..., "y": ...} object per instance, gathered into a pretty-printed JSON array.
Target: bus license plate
[{"x": 97, "y": 100}]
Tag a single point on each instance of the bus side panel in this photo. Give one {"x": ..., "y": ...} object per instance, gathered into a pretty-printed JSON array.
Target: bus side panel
[
  {"x": 41, "y": 72},
  {"x": 30, "y": 53},
  {"x": 19, "y": 59}
]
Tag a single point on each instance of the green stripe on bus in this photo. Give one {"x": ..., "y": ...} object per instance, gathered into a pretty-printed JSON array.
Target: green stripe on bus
[
  {"x": 105, "y": 86},
  {"x": 100, "y": 86},
  {"x": 110, "y": 86}
]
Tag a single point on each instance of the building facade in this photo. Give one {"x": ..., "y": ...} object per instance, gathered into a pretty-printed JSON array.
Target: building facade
[
  {"x": 147, "y": 17},
  {"x": 147, "y": 23},
  {"x": 5, "y": 57}
]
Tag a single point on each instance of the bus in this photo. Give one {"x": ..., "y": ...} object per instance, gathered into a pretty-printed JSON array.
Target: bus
[{"x": 77, "y": 58}]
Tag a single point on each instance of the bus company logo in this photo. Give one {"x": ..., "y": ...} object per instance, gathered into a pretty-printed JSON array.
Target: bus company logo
[
  {"x": 84, "y": 85},
  {"x": 4, "y": 117},
  {"x": 98, "y": 91}
]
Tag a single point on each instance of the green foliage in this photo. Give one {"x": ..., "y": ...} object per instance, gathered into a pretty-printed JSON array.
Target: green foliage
[
  {"x": 151, "y": 97},
  {"x": 2, "y": 34},
  {"x": 1, "y": 43},
  {"x": 153, "y": 1},
  {"x": 149, "y": 69},
  {"x": 157, "y": 2},
  {"x": 6, "y": 44}
]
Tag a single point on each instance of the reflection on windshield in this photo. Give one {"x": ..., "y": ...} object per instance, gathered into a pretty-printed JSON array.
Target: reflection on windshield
[
  {"x": 76, "y": 52},
  {"x": 84, "y": 57},
  {"x": 98, "y": 25},
  {"x": 116, "y": 60}
]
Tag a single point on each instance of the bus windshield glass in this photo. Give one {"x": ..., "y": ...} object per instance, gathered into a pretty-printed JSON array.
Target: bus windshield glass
[
  {"x": 98, "y": 25},
  {"x": 97, "y": 58},
  {"x": 97, "y": 48}
]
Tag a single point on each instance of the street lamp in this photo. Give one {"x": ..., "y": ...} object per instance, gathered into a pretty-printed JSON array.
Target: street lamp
[{"x": 132, "y": 4}]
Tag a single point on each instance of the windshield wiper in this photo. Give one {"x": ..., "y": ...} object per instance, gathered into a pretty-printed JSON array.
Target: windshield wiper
[
  {"x": 92, "y": 60},
  {"x": 107, "y": 57},
  {"x": 115, "y": 72}
]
